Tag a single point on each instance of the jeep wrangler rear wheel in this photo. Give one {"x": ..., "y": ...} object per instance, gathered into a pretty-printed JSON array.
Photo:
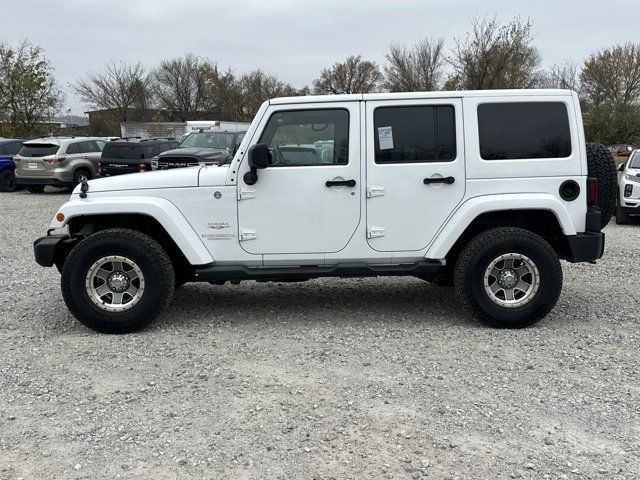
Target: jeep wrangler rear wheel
[
  {"x": 510, "y": 277},
  {"x": 117, "y": 281}
]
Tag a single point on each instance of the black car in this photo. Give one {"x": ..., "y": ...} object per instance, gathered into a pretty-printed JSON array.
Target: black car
[
  {"x": 132, "y": 155},
  {"x": 201, "y": 148}
]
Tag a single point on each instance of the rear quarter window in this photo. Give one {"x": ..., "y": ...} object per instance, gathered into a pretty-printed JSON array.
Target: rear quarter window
[{"x": 524, "y": 130}]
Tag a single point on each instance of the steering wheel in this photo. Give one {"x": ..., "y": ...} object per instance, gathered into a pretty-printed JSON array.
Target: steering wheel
[{"x": 276, "y": 156}]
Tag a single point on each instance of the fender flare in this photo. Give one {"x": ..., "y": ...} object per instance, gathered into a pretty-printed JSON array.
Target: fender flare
[
  {"x": 468, "y": 211},
  {"x": 160, "y": 209}
]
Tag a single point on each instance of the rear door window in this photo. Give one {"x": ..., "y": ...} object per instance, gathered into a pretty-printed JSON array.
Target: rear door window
[
  {"x": 524, "y": 130},
  {"x": 35, "y": 150},
  {"x": 415, "y": 134}
]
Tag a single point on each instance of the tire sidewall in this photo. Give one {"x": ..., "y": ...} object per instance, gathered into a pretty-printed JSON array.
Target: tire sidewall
[
  {"x": 75, "y": 271},
  {"x": 7, "y": 181},
  {"x": 548, "y": 289}
]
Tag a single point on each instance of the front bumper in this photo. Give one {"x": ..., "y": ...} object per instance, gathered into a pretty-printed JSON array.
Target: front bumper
[
  {"x": 46, "y": 248},
  {"x": 585, "y": 247}
]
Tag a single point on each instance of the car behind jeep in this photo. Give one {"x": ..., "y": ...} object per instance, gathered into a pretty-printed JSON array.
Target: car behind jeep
[
  {"x": 57, "y": 161},
  {"x": 132, "y": 155},
  {"x": 9, "y": 147},
  {"x": 629, "y": 189},
  {"x": 200, "y": 148},
  {"x": 487, "y": 191}
]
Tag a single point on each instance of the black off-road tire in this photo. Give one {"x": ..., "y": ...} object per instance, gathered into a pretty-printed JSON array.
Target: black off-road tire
[
  {"x": 150, "y": 257},
  {"x": 489, "y": 245},
  {"x": 7, "y": 181},
  {"x": 35, "y": 188},
  {"x": 602, "y": 166}
]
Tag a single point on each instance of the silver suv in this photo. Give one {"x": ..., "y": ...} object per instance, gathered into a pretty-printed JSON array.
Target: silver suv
[{"x": 57, "y": 161}]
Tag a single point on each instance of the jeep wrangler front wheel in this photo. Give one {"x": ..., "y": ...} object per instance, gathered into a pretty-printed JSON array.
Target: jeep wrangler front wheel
[
  {"x": 117, "y": 281},
  {"x": 510, "y": 277}
]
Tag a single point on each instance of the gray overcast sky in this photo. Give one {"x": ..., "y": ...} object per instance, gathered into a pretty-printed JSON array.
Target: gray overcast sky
[{"x": 292, "y": 39}]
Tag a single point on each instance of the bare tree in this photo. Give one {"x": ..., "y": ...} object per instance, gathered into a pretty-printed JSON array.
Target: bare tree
[
  {"x": 354, "y": 75},
  {"x": 612, "y": 75},
  {"x": 611, "y": 88},
  {"x": 565, "y": 75},
  {"x": 418, "y": 68},
  {"x": 494, "y": 56},
  {"x": 258, "y": 86},
  {"x": 227, "y": 91},
  {"x": 29, "y": 94},
  {"x": 183, "y": 86},
  {"x": 120, "y": 87}
]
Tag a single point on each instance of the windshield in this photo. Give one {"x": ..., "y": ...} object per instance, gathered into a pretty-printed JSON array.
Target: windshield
[
  {"x": 218, "y": 140},
  {"x": 634, "y": 161}
]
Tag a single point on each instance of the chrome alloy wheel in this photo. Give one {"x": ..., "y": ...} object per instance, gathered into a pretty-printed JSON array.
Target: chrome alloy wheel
[
  {"x": 114, "y": 283},
  {"x": 511, "y": 280}
]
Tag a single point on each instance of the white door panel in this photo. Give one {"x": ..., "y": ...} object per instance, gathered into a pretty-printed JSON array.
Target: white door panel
[
  {"x": 404, "y": 213},
  {"x": 291, "y": 209}
]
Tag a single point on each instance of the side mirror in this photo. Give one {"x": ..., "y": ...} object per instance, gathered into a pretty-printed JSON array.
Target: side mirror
[
  {"x": 259, "y": 158},
  {"x": 621, "y": 167}
]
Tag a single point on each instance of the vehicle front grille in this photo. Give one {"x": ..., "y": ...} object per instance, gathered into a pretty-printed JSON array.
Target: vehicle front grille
[{"x": 166, "y": 163}]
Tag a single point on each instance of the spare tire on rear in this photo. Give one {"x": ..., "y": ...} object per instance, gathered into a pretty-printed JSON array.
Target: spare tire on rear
[{"x": 601, "y": 166}]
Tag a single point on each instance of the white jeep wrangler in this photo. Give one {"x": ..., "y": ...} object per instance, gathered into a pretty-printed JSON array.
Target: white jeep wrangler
[{"x": 484, "y": 190}]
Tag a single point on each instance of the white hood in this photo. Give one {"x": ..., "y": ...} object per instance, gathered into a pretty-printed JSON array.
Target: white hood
[{"x": 179, "y": 177}]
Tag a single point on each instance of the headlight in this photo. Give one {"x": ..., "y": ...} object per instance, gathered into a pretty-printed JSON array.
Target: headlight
[{"x": 632, "y": 178}]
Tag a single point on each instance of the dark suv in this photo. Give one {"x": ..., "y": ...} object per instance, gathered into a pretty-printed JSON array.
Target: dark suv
[
  {"x": 132, "y": 155},
  {"x": 212, "y": 147}
]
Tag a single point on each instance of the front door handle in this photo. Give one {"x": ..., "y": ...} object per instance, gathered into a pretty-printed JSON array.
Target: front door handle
[
  {"x": 447, "y": 180},
  {"x": 340, "y": 183}
]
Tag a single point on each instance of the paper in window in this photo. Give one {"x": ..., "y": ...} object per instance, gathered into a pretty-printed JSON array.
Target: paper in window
[{"x": 385, "y": 138}]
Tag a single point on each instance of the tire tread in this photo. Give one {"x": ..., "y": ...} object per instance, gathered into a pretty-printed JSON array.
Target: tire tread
[
  {"x": 488, "y": 240},
  {"x": 132, "y": 236}
]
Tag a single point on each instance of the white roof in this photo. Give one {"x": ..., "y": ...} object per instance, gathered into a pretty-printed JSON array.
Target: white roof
[
  {"x": 417, "y": 95},
  {"x": 59, "y": 140}
]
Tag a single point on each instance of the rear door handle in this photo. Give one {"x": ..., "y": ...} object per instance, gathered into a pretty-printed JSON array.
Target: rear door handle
[
  {"x": 448, "y": 180},
  {"x": 340, "y": 183}
]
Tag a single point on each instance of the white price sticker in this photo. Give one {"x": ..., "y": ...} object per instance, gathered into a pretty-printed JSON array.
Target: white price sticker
[{"x": 385, "y": 138}]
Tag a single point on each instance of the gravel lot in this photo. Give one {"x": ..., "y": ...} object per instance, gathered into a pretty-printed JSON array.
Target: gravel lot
[{"x": 362, "y": 378}]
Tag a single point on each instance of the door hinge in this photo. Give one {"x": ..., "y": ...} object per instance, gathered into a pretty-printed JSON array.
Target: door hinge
[
  {"x": 246, "y": 234},
  {"x": 246, "y": 194},
  {"x": 375, "y": 232},
  {"x": 375, "y": 191}
]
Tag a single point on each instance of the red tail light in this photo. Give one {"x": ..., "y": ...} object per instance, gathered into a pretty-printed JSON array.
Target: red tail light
[
  {"x": 54, "y": 160},
  {"x": 592, "y": 191}
]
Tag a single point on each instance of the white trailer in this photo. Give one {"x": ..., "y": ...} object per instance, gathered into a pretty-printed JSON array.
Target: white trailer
[{"x": 214, "y": 125}]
